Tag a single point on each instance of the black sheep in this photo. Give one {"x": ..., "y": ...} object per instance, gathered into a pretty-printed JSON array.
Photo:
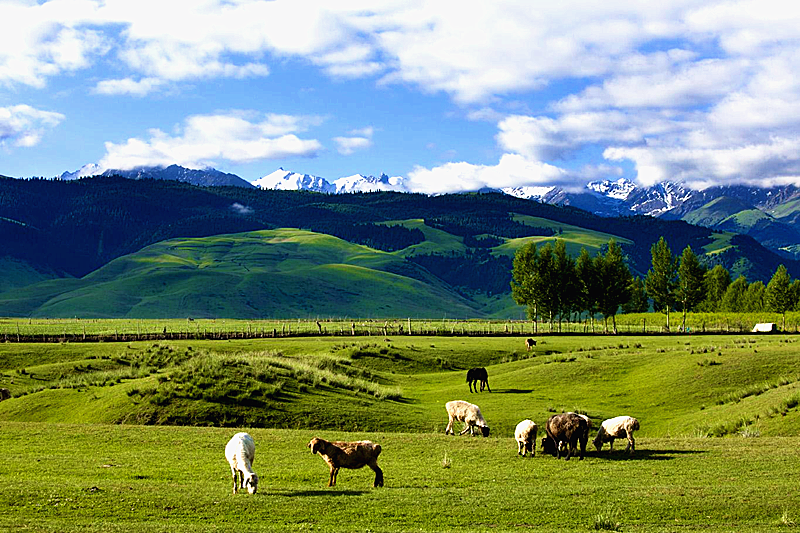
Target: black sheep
[{"x": 478, "y": 374}]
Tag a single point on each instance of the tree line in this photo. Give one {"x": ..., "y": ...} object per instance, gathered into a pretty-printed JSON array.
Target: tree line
[{"x": 555, "y": 286}]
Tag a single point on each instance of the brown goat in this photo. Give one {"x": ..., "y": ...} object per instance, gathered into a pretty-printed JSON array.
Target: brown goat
[
  {"x": 5, "y": 394},
  {"x": 349, "y": 455}
]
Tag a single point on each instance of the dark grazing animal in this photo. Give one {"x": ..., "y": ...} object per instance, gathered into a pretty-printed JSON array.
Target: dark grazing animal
[
  {"x": 5, "y": 394},
  {"x": 529, "y": 344},
  {"x": 478, "y": 374},
  {"x": 349, "y": 455},
  {"x": 565, "y": 430}
]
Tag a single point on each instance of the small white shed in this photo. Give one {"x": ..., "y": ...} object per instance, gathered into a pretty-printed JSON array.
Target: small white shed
[{"x": 766, "y": 327}]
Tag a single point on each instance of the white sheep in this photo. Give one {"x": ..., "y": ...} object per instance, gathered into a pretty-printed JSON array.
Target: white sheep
[
  {"x": 240, "y": 453},
  {"x": 468, "y": 413},
  {"x": 525, "y": 434},
  {"x": 617, "y": 428}
]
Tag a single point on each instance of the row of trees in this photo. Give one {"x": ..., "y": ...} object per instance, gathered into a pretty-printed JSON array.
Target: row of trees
[{"x": 554, "y": 285}]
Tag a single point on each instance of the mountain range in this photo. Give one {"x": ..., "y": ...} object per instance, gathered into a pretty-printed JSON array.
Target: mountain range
[
  {"x": 112, "y": 246},
  {"x": 770, "y": 215}
]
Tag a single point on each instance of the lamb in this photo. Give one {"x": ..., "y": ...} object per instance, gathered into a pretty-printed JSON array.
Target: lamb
[
  {"x": 617, "y": 428},
  {"x": 351, "y": 455},
  {"x": 478, "y": 374},
  {"x": 468, "y": 413},
  {"x": 566, "y": 429},
  {"x": 5, "y": 394},
  {"x": 529, "y": 344},
  {"x": 525, "y": 434},
  {"x": 240, "y": 453}
]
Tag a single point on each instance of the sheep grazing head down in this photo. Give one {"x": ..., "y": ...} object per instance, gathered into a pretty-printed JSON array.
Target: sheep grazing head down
[{"x": 251, "y": 483}]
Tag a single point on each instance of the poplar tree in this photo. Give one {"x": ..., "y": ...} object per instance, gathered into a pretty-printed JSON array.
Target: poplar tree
[
  {"x": 779, "y": 293},
  {"x": 614, "y": 278},
  {"x": 660, "y": 282},
  {"x": 690, "y": 282}
]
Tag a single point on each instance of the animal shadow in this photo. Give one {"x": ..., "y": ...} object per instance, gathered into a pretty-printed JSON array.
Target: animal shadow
[
  {"x": 515, "y": 391},
  {"x": 328, "y": 492},
  {"x": 641, "y": 455}
]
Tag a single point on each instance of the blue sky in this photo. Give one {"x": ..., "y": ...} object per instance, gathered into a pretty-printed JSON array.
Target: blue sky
[{"x": 448, "y": 95}]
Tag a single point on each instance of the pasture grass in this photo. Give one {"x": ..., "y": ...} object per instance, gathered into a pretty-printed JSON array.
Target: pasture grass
[{"x": 100, "y": 478}]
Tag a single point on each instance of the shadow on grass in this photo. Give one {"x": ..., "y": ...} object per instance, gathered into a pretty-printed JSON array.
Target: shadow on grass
[
  {"x": 641, "y": 455},
  {"x": 328, "y": 492},
  {"x": 514, "y": 391}
]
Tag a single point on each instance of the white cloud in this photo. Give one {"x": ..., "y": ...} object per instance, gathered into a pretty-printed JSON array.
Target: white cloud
[
  {"x": 511, "y": 171},
  {"x": 358, "y": 139},
  {"x": 204, "y": 139},
  {"x": 128, "y": 86},
  {"x": 24, "y": 126}
]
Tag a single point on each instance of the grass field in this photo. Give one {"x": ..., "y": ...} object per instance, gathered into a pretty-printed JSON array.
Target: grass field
[
  {"x": 65, "y": 478},
  {"x": 718, "y": 447}
]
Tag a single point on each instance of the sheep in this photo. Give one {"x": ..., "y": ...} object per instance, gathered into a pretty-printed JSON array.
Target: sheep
[
  {"x": 351, "y": 455},
  {"x": 549, "y": 447},
  {"x": 617, "y": 428},
  {"x": 5, "y": 394},
  {"x": 468, "y": 413},
  {"x": 478, "y": 374},
  {"x": 566, "y": 429},
  {"x": 529, "y": 344},
  {"x": 525, "y": 434},
  {"x": 240, "y": 453}
]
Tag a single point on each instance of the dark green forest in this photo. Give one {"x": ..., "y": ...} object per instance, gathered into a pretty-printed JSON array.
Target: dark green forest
[{"x": 74, "y": 227}]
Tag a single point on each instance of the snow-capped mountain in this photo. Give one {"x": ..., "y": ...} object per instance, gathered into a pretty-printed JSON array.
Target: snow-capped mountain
[
  {"x": 361, "y": 183},
  {"x": 287, "y": 180},
  {"x": 283, "y": 179},
  {"x": 528, "y": 192},
  {"x": 619, "y": 190}
]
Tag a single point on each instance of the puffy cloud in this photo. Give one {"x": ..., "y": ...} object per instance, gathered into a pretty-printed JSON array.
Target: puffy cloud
[
  {"x": 128, "y": 86},
  {"x": 23, "y": 125},
  {"x": 359, "y": 139},
  {"x": 511, "y": 171},
  {"x": 205, "y": 139}
]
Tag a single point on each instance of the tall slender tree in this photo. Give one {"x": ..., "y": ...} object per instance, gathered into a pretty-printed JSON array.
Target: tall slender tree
[
  {"x": 755, "y": 297},
  {"x": 716, "y": 282},
  {"x": 525, "y": 283},
  {"x": 614, "y": 279},
  {"x": 779, "y": 293},
  {"x": 586, "y": 276},
  {"x": 733, "y": 300},
  {"x": 661, "y": 278},
  {"x": 638, "y": 302},
  {"x": 690, "y": 290}
]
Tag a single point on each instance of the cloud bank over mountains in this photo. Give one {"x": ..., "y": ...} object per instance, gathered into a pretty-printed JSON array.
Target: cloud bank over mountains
[{"x": 703, "y": 93}]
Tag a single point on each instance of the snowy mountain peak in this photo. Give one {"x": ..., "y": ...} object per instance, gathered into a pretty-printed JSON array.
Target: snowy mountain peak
[
  {"x": 528, "y": 192},
  {"x": 288, "y": 181},
  {"x": 619, "y": 189}
]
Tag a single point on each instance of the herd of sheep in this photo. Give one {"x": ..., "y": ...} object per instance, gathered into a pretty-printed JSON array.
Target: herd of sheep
[{"x": 566, "y": 432}]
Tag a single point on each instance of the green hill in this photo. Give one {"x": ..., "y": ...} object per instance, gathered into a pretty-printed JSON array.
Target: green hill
[
  {"x": 270, "y": 273},
  {"x": 679, "y": 387}
]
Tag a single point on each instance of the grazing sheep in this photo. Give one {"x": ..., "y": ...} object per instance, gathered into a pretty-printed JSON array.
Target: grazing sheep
[
  {"x": 617, "y": 428},
  {"x": 468, "y": 413},
  {"x": 5, "y": 394},
  {"x": 240, "y": 453},
  {"x": 529, "y": 344},
  {"x": 349, "y": 455},
  {"x": 567, "y": 429},
  {"x": 478, "y": 374},
  {"x": 525, "y": 434}
]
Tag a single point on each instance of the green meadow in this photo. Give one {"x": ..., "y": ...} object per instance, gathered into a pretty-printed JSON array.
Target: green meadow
[{"x": 121, "y": 436}]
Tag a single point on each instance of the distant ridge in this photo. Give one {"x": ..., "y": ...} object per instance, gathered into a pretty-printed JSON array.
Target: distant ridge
[{"x": 208, "y": 177}]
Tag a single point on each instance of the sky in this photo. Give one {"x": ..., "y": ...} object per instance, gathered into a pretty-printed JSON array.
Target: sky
[{"x": 448, "y": 95}]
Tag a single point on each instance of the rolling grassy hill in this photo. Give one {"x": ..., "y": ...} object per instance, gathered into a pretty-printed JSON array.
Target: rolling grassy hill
[
  {"x": 83, "y": 412},
  {"x": 676, "y": 386},
  {"x": 270, "y": 273}
]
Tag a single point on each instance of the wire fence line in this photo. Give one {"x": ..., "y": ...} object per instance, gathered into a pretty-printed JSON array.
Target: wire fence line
[{"x": 127, "y": 330}]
